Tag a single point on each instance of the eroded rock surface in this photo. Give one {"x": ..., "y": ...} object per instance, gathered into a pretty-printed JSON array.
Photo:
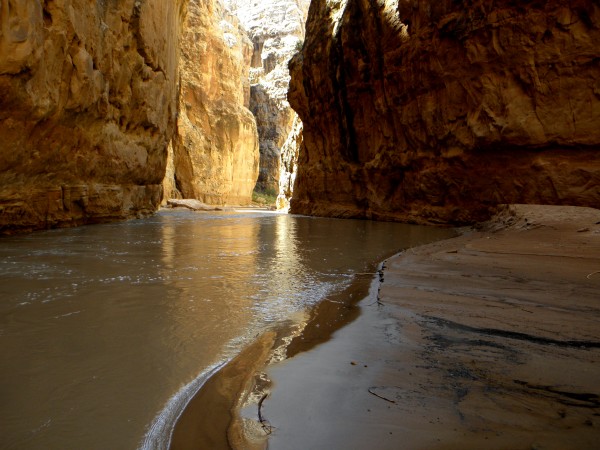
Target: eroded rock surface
[
  {"x": 438, "y": 111},
  {"x": 276, "y": 28},
  {"x": 215, "y": 150},
  {"x": 289, "y": 166},
  {"x": 87, "y": 107},
  {"x": 485, "y": 341}
]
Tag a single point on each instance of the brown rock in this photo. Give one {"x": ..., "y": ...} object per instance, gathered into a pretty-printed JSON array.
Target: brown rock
[
  {"x": 439, "y": 111},
  {"x": 215, "y": 150},
  {"x": 87, "y": 107}
]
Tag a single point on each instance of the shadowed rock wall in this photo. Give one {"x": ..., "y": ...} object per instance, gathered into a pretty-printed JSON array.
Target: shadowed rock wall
[
  {"x": 437, "y": 111},
  {"x": 87, "y": 107}
]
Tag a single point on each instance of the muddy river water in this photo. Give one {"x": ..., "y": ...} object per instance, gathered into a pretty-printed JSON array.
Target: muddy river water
[{"x": 106, "y": 331}]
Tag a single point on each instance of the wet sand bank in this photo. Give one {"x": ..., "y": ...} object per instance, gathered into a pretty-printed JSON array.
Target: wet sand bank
[
  {"x": 224, "y": 414},
  {"x": 488, "y": 340}
]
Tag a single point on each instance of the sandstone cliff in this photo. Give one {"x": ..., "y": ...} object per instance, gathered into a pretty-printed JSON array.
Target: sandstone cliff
[
  {"x": 436, "y": 111},
  {"x": 276, "y": 28},
  {"x": 215, "y": 150},
  {"x": 87, "y": 107},
  {"x": 289, "y": 165}
]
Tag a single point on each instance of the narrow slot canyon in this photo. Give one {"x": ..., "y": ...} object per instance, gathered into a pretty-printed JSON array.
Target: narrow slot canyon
[{"x": 299, "y": 224}]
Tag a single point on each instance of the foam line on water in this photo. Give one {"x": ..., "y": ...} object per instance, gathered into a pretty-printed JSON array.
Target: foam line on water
[{"x": 158, "y": 436}]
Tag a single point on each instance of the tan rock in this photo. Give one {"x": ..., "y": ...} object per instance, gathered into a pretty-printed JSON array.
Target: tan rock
[
  {"x": 192, "y": 204},
  {"x": 87, "y": 107},
  {"x": 438, "y": 111},
  {"x": 289, "y": 166},
  {"x": 276, "y": 28},
  {"x": 215, "y": 150},
  {"x": 170, "y": 190}
]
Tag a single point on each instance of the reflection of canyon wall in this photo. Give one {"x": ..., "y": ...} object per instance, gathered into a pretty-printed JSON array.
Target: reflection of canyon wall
[
  {"x": 215, "y": 150},
  {"x": 87, "y": 107},
  {"x": 216, "y": 268},
  {"x": 439, "y": 110},
  {"x": 277, "y": 31}
]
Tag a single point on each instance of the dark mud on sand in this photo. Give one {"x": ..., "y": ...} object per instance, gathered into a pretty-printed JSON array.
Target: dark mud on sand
[
  {"x": 108, "y": 331},
  {"x": 488, "y": 340},
  {"x": 212, "y": 418}
]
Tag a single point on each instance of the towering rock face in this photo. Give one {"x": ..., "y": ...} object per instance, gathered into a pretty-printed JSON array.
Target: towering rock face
[
  {"x": 289, "y": 166},
  {"x": 215, "y": 151},
  {"x": 87, "y": 107},
  {"x": 276, "y": 28},
  {"x": 437, "y": 111}
]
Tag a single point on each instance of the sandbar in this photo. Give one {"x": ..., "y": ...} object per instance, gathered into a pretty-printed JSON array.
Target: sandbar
[{"x": 487, "y": 340}]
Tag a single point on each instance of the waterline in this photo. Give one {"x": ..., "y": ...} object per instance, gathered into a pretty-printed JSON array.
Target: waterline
[
  {"x": 158, "y": 436},
  {"x": 101, "y": 326}
]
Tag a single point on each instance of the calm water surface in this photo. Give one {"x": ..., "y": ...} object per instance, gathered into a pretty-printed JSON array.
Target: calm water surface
[{"x": 106, "y": 331}]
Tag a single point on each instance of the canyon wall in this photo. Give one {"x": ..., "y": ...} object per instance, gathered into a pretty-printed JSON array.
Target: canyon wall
[
  {"x": 276, "y": 28},
  {"x": 437, "y": 111},
  {"x": 87, "y": 107},
  {"x": 289, "y": 166},
  {"x": 215, "y": 149}
]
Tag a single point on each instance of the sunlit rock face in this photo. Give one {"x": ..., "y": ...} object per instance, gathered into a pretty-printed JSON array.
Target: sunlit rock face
[
  {"x": 276, "y": 28},
  {"x": 87, "y": 107},
  {"x": 289, "y": 165},
  {"x": 215, "y": 150},
  {"x": 437, "y": 111}
]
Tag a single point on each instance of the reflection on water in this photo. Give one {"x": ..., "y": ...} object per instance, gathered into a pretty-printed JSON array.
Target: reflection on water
[{"x": 101, "y": 326}]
